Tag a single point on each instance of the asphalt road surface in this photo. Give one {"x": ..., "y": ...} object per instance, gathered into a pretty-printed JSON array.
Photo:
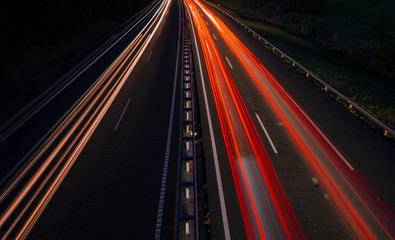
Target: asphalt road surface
[
  {"x": 283, "y": 160},
  {"x": 112, "y": 191},
  {"x": 365, "y": 156}
]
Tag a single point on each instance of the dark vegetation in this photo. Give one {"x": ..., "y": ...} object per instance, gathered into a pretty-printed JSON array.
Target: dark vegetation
[
  {"x": 42, "y": 39},
  {"x": 349, "y": 44},
  {"x": 364, "y": 46}
]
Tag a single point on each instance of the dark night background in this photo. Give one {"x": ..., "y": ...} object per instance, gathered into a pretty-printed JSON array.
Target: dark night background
[
  {"x": 41, "y": 40},
  {"x": 27, "y": 23}
]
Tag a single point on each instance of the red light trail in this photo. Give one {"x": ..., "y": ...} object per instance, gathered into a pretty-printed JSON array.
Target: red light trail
[
  {"x": 265, "y": 208},
  {"x": 363, "y": 212}
]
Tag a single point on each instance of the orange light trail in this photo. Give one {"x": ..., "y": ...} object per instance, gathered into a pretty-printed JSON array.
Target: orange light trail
[
  {"x": 265, "y": 208},
  {"x": 364, "y": 213},
  {"x": 67, "y": 141}
]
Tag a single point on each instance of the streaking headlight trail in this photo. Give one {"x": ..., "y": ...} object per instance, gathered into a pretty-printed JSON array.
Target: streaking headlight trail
[{"x": 29, "y": 192}]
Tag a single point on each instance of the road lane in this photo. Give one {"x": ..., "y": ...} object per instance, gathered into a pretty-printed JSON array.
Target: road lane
[
  {"x": 307, "y": 201},
  {"x": 265, "y": 210},
  {"x": 364, "y": 188},
  {"x": 16, "y": 148},
  {"x": 116, "y": 181},
  {"x": 123, "y": 166},
  {"x": 218, "y": 179},
  {"x": 357, "y": 141},
  {"x": 225, "y": 214},
  {"x": 363, "y": 211}
]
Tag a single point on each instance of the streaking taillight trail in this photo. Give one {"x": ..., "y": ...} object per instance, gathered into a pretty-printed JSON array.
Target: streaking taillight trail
[
  {"x": 361, "y": 209},
  {"x": 265, "y": 208}
]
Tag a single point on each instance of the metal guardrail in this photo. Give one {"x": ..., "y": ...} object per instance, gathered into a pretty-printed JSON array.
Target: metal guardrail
[
  {"x": 187, "y": 210},
  {"x": 327, "y": 87}
]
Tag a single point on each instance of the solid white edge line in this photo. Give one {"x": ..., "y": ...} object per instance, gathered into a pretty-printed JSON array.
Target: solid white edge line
[
  {"x": 214, "y": 147},
  {"x": 229, "y": 62},
  {"x": 167, "y": 153},
  {"x": 123, "y": 112},
  {"x": 267, "y": 134}
]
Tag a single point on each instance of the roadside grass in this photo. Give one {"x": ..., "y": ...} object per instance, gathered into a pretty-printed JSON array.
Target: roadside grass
[{"x": 376, "y": 98}]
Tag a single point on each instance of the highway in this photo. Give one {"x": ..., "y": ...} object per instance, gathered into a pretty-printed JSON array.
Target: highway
[
  {"x": 353, "y": 209},
  {"x": 98, "y": 156},
  {"x": 107, "y": 187}
]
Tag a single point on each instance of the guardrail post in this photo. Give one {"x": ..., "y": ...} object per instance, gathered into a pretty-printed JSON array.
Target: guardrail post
[
  {"x": 385, "y": 132},
  {"x": 326, "y": 88}
]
